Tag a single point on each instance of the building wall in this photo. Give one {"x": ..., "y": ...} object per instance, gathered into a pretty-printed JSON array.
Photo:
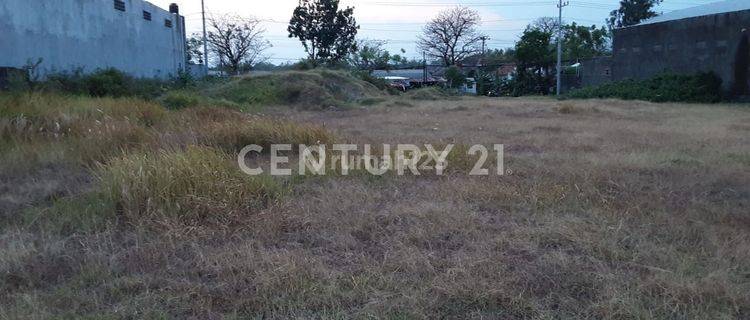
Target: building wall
[
  {"x": 707, "y": 43},
  {"x": 90, "y": 35},
  {"x": 596, "y": 71}
]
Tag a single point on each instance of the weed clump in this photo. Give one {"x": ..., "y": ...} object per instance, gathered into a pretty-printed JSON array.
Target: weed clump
[
  {"x": 198, "y": 183},
  {"x": 567, "y": 108},
  {"x": 180, "y": 99}
]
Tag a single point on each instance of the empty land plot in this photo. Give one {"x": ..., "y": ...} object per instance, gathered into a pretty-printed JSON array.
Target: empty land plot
[{"x": 608, "y": 210}]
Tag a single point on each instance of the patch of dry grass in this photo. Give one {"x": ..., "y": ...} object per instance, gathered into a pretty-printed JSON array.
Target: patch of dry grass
[
  {"x": 619, "y": 210},
  {"x": 196, "y": 184}
]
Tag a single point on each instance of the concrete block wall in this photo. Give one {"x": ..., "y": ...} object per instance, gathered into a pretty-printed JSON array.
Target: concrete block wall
[
  {"x": 596, "y": 71},
  {"x": 91, "y": 35},
  {"x": 686, "y": 46}
]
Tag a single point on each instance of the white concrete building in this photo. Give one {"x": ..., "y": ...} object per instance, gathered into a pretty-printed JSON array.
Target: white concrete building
[{"x": 133, "y": 36}]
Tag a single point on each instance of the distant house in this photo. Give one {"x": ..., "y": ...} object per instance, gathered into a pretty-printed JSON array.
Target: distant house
[
  {"x": 134, "y": 36},
  {"x": 469, "y": 87},
  {"x": 712, "y": 37},
  {"x": 506, "y": 71}
]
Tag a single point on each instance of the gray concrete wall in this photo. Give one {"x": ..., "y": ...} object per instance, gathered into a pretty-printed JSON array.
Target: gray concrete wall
[
  {"x": 686, "y": 46},
  {"x": 596, "y": 71},
  {"x": 91, "y": 34}
]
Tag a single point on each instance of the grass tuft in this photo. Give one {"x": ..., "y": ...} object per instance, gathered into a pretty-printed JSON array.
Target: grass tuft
[{"x": 194, "y": 184}]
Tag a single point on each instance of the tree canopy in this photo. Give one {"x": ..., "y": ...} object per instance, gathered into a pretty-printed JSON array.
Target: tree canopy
[
  {"x": 327, "y": 33},
  {"x": 632, "y": 12},
  {"x": 582, "y": 42}
]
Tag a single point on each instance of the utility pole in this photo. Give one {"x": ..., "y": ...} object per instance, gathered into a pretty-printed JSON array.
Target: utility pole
[
  {"x": 424, "y": 68},
  {"x": 480, "y": 73},
  {"x": 205, "y": 44},
  {"x": 483, "y": 38},
  {"x": 559, "y": 44}
]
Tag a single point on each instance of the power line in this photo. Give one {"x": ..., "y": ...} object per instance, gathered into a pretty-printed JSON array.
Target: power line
[{"x": 475, "y": 4}]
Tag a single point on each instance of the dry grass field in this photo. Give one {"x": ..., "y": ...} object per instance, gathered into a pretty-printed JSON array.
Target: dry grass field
[{"x": 119, "y": 209}]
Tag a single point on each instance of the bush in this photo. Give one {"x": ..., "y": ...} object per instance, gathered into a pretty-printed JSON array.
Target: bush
[
  {"x": 700, "y": 88},
  {"x": 180, "y": 99},
  {"x": 108, "y": 82},
  {"x": 104, "y": 83},
  {"x": 455, "y": 77}
]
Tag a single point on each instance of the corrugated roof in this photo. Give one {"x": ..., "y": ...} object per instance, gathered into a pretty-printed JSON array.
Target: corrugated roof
[{"x": 699, "y": 11}]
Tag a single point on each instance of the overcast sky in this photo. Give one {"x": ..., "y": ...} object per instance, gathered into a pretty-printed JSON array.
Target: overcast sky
[{"x": 399, "y": 21}]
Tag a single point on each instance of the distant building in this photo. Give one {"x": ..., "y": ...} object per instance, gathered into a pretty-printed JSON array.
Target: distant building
[
  {"x": 712, "y": 37},
  {"x": 506, "y": 71},
  {"x": 469, "y": 87},
  {"x": 133, "y": 36},
  {"x": 595, "y": 71}
]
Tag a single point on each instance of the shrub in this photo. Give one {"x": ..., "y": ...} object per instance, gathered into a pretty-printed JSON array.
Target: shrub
[
  {"x": 108, "y": 82},
  {"x": 456, "y": 78},
  {"x": 105, "y": 83},
  {"x": 198, "y": 184},
  {"x": 180, "y": 99},
  {"x": 701, "y": 88}
]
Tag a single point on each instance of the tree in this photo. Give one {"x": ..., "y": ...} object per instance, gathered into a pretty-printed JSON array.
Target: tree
[
  {"x": 535, "y": 54},
  {"x": 535, "y": 50},
  {"x": 632, "y": 12},
  {"x": 236, "y": 41},
  {"x": 370, "y": 56},
  {"x": 452, "y": 35},
  {"x": 581, "y": 42},
  {"x": 327, "y": 33},
  {"x": 546, "y": 24},
  {"x": 194, "y": 50}
]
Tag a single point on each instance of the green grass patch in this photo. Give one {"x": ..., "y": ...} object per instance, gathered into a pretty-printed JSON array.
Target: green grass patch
[{"x": 85, "y": 213}]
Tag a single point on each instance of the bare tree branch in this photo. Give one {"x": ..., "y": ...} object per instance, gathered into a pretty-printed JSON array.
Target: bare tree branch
[
  {"x": 452, "y": 35},
  {"x": 237, "y": 41}
]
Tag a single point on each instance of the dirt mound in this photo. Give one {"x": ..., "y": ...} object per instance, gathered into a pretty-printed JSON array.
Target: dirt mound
[{"x": 316, "y": 89}]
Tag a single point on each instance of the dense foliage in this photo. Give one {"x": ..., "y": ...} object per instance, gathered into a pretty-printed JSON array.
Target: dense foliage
[
  {"x": 535, "y": 53},
  {"x": 104, "y": 83},
  {"x": 632, "y": 12},
  {"x": 327, "y": 33},
  {"x": 701, "y": 87}
]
